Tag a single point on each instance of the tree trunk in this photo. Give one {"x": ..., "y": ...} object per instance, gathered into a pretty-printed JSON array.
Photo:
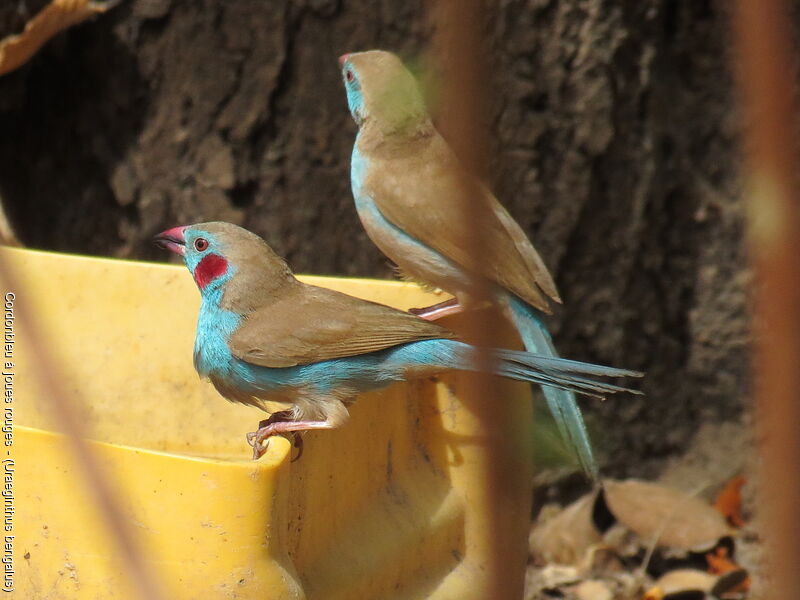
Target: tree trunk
[{"x": 615, "y": 146}]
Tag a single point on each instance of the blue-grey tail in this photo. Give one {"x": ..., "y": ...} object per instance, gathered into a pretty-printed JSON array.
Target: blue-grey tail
[
  {"x": 560, "y": 373},
  {"x": 561, "y": 378},
  {"x": 561, "y": 402}
]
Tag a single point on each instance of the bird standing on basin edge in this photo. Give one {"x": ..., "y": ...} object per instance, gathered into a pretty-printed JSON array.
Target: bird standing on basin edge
[
  {"x": 262, "y": 335},
  {"x": 406, "y": 185}
]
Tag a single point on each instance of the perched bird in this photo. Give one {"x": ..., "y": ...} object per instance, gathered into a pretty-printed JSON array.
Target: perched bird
[
  {"x": 407, "y": 183},
  {"x": 262, "y": 335}
]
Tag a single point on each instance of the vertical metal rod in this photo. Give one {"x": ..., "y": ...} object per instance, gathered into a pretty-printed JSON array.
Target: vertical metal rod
[
  {"x": 67, "y": 414},
  {"x": 766, "y": 76},
  {"x": 458, "y": 42}
]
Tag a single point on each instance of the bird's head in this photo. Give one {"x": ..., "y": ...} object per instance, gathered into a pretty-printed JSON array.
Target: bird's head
[
  {"x": 228, "y": 263},
  {"x": 381, "y": 90}
]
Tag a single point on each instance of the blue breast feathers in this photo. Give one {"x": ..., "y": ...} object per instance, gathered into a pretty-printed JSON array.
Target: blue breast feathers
[{"x": 214, "y": 327}]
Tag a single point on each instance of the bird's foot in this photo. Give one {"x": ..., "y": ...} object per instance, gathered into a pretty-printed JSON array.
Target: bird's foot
[
  {"x": 259, "y": 440},
  {"x": 261, "y": 448},
  {"x": 281, "y": 415},
  {"x": 437, "y": 311},
  {"x": 276, "y": 417}
]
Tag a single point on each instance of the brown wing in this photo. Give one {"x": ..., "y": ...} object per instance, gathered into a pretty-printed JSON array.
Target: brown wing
[
  {"x": 415, "y": 191},
  {"x": 311, "y": 324}
]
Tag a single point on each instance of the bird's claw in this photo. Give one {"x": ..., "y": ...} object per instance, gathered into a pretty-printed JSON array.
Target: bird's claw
[
  {"x": 259, "y": 439},
  {"x": 260, "y": 448}
]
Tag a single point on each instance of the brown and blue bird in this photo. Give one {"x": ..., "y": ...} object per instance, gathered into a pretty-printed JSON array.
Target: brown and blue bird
[
  {"x": 408, "y": 183},
  {"x": 263, "y": 336}
]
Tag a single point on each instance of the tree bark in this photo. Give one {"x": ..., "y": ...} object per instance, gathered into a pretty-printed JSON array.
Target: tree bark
[{"x": 615, "y": 146}]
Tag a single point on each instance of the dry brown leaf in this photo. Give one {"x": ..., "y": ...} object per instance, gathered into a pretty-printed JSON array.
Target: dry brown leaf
[
  {"x": 656, "y": 512},
  {"x": 654, "y": 593},
  {"x": 555, "y": 576},
  {"x": 729, "y": 501},
  {"x": 593, "y": 589},
  {"x": 719, "y": 563},
  {"x": 16, "y": 50},
  {"x": 682, "y": 583},
  {"x": 567, "y": 537},
  {"x": 733, "y": 582},
  {"x": 732, "y": 576},
  {"x": 623, "y": 541}
]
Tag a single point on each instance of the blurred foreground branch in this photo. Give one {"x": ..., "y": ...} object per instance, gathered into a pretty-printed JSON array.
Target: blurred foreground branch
[
  {"x": 766, "y": 84},
  {"x": 459, "y": 46}
]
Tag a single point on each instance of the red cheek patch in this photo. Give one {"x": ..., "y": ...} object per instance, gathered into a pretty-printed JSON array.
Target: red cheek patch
[{"x": 208, "y": 269}]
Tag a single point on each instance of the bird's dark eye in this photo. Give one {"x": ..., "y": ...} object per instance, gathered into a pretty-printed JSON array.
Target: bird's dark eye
[
  {"x": 200, "y": 244},
  {"x": 349, "y": 76}
]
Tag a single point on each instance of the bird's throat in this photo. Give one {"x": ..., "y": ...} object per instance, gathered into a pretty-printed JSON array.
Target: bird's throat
[{"x": 208, "y": 269}]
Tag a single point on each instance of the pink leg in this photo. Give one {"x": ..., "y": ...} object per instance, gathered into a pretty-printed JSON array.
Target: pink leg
[
  {"x": 281, "y": 415},
  {"x": 437, "y": 311},
  {"x": 257, "y": 438}
]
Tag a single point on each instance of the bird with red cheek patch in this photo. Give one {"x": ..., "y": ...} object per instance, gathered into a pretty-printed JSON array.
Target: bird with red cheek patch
[
  {"x": 262, "y": 335},
  {"x": 208, "y": 269}
]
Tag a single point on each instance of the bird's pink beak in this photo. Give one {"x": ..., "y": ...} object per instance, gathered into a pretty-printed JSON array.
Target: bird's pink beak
[
  {"x": 343, "y": 59},
  {"x": 173, "y": 240}
]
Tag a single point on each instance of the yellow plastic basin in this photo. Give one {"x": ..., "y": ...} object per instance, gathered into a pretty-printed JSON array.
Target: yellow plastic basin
[{"x": 384, "y": 507}]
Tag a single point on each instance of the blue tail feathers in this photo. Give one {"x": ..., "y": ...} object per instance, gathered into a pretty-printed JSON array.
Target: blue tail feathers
[
  {"x": 561, "y": 402},
  {"x": 551, "y": 372}
]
